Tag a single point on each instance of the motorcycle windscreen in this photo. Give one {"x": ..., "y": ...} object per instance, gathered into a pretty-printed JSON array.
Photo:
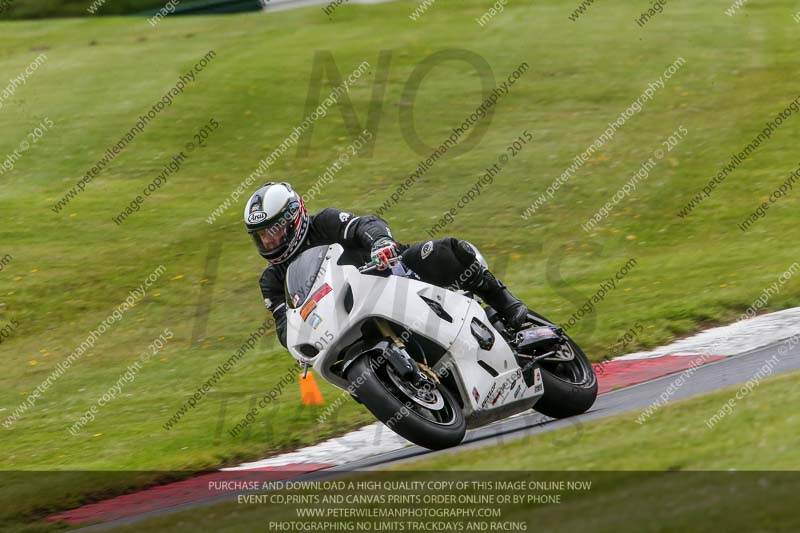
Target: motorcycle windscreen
[{"x": 302, "y": 275}]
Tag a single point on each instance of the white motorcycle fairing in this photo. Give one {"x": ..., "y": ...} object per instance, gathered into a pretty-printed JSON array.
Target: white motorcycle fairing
[{"x": 327, "y": 319}]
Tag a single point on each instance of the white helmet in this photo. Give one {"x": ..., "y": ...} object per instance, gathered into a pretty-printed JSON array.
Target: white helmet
[{"x": 277, "y": 220}]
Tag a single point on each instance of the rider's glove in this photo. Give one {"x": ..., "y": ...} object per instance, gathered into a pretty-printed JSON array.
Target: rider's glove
[{"x": 383, "y": 251}]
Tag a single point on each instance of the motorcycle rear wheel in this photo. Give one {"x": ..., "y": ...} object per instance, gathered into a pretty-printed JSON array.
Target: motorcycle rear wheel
[{"x": 570, "y": 387}]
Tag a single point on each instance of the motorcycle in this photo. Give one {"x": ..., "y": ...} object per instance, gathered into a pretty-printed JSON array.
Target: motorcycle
[{"x": 427, "y": 361}]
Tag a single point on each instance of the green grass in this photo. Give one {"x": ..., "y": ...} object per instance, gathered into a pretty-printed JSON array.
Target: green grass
[
  {"x": 759, "y": 435},
  {"x": 71, "y": 269}
]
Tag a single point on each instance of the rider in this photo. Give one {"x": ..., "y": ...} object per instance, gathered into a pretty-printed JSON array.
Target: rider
[{"x": 281, "y": 228}]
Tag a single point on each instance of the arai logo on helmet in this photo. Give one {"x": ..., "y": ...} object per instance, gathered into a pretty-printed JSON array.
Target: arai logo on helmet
[{"x": 256, "y": 217}]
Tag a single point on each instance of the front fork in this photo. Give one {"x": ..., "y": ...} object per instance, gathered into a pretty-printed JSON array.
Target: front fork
[{"x": 396, "y": 354}]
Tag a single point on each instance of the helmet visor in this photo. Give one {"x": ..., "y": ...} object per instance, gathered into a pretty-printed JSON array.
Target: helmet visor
[{"x": 272, "y": 240}]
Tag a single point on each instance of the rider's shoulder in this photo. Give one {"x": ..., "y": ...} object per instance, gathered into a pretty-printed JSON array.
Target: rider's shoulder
[{"x": 332, "y": 214}]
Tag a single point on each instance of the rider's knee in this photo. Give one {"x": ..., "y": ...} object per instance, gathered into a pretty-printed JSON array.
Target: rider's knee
[
  {"x": 433, "y": 261},
  {"x": 443, "y": 261},
  {"x": 467, "y": 253}
]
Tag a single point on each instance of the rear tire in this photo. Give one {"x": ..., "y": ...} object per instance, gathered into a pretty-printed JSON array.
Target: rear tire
[
  {"x": 383, "y": 399},
  {"x": 570, "y": 388}
]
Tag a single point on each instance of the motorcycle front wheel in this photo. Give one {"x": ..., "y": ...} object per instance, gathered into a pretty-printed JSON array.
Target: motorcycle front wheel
[{"x": 428, "y": 416}]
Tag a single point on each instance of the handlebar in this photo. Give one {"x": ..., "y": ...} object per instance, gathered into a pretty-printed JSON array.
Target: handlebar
[{"x": 372, "y": 266}]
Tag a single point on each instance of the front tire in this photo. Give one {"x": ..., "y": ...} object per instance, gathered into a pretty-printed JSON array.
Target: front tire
[
  {"x": 439, "y": 425},
  {"x": 570, "y": 387}
]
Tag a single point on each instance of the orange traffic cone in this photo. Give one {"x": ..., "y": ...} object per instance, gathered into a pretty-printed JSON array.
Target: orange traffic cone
[{"x": 309, "y": 391}]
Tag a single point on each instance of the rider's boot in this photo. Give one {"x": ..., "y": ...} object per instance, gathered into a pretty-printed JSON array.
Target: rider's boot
[{"x": 492, "y": 291}]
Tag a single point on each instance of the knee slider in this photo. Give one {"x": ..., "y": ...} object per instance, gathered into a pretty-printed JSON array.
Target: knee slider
[{"x": 464, "y": 251}]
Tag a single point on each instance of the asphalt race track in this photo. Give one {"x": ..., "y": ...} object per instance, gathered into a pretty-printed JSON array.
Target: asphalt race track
[
  {"x": 707, "y": 378},
  {"x": 710, "y": 377}
]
